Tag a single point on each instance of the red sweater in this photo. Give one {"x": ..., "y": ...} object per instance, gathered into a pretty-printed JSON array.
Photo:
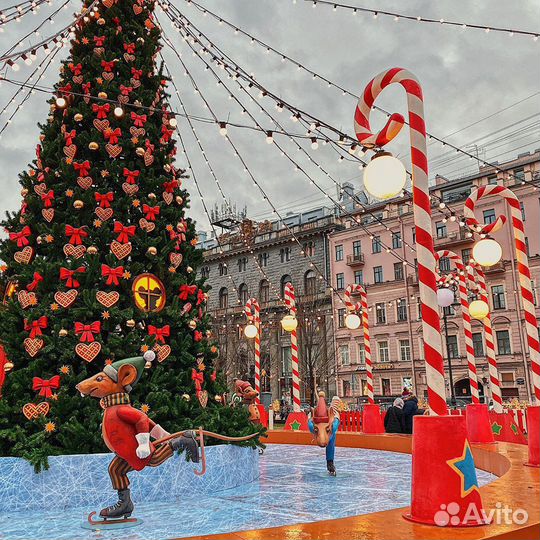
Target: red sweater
[{"x": 120, "y": 425}]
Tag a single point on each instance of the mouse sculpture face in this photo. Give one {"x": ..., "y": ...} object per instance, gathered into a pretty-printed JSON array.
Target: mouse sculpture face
[
  {"x": 102, "y": 385},
  {"x": 323, "y": 418}
]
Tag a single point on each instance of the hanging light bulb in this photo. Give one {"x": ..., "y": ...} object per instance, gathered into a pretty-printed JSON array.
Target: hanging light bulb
[
  {"x": 173, "y": 122},
  {"x": 384, "y": 176},
  {"x": 478, "y": 309},
  {"x": 269, "y": 137},
  {"x": 118, "y": 111},
  {"x": 60, "y": 102},
  {"x": 445, "y": 297},
  {"x": 250, "y": 331},
  {"x": 352, "y": 321},
  {"x": 289, "y": 323},
  {"x": 487, "y": 252},
  {"x": 314, "y": 143},
  {"x": 223, "y": 129}
]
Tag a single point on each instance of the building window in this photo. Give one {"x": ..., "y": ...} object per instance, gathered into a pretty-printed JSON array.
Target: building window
[
  {"x": 404, "y": 350},
  {"x": 222, "y": 269},
  {"x": 359, "y": 277},
  {"x": 527, "y": 246},
  {"x": 453, "y": 347},
  {"x": 398, "y": 271},
  {"x": 507, "y": 377},
  {"x": 419, "y": 308},
  {"x": 263, "y": 259},
  {"x": 497, "y": 296},
  {"x": 339, "y": 252},
  {"x": 355, "y": 383},
  {"x": 340, "y": 281},
  {"x": 519, "y": 175},
  {"x": 243, "y": 294},
  {"x": 344, "y": 355},
  {"x": 386, "y": 389},
  {"x": 310, "y": 282},
  {"x": 357, "y": 249},
  {"x": 361, "y": 354},
  {"x": 444, "y": 264},
  {"x": 414, "y": 235},
  {"x": 402, "y": 310},
  {"x": 284, "y": 280},
  {"x": 309, "y": 249},
  {"x": 242, "y": 264},
  {"x": 466, "y": 255},
  {"x": 489, "y": 216},
  {"x": 285, "y": 254},
  {"x": 533, "y": 289},
  {"x": 449, "y": 310},
  {"x": 264, "y": 291},
  {"x": 503, "y": 342},
  {"x": 286, "y": 361},
  {"x": 223, "y": 298},
  {"x": 205, "y": 272},
  {"x": 478, "y": 344},
  {"x": 347, "y": 388},
  {"x": 522, "y": 206},
  {"x": 492, "y": 179},
  {"x": 383, "y": 351},
  {"x": 376, "y": 245},
  {"x": 378, "y": 274},
  {"x": 440, "y": 229},
  {"x": 380, "y": 313},
  {"x": 396, "y": 240},
  {"x": 341, "y": 318}
]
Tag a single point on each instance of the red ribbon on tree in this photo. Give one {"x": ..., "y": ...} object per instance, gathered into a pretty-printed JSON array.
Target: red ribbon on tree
[
  {"x": 129, "y": 48},
  {"x": 113, "y": 135},
  {"x": 137, "y": 73},
  {"x": 160, "y": 333},
  {"x": 35, "y": 327},
  {"x": 138, "y": 119},
  {"x": 65, "y": 89},
  {"x": 126, "y": 90},
  {"x": 87, "y": 331},
  {"x": 68, "y": 276},
  {"x": 21, "y": 237},
  {"x": 24, "y": 207},
  {"x": 166, "y": 133},
  {"x": 112, "y": 274},
  {"x": 48, "y": 198},
  {"x": 35, "y": 282},
  {"x": 149, "y": 146},
  {"x": 186, "y": 291},
  {"x": 131, "y": 176},
  {"x": 201, "y": 298},
  {"x": 99, "y": 41},
  {"x": 197, "y": 336},
  {"x": 75, "y": 69},
  {"x": 86, "y": 88},
  {"x": 124, "y": 232},
  {"x": 104, "y": 200},
  {"x": 69, "y": 136},
  {"x": 108, "y": 66},
  {"x": 213, "y": 376},
  {"x": 198, "y": 378},
  {"x": 46, "y": 386},
  {"x": 169, "y": 187},
  {"x": 150, "y": 212},
  {"x": 75, "y": 235},
  {"x": 101, "y": 110},
  {"x": 83, "y": 169}
]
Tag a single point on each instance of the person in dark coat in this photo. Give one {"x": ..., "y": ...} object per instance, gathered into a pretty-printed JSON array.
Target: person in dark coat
[
  {"x": 393, "y": 421},
  {"x": 410, "y": 409}
]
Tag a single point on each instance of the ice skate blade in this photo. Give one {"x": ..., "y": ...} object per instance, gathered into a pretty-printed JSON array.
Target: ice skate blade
[{"x": 109, "y": 524}]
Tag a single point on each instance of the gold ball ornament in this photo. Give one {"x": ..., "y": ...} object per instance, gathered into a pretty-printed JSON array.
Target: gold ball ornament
[
  {"x": 218, "y": 398},
  {"x": 139, "y": 151},
  {"x": 189, "y": 270},
  {"x": 62, "y": 332},
  {"x": 39, "y": 240},
  {"x": 130, "y": 323},
  {"x": 102, "y": 95},
  {"x": 92, "y": 250},
  {"x": 179, "y": 199},
  {"x": 101, "y": 21},
  {"x": 78, "y": 117},
  {"x": 192, "y": 324},
  {"x": 186, "y": 397},
  {"x": 151, "y": 195},
  {"x": 167, "y": 167},
  {"x": 24, "y": 192},
  {"x": 8, "y": 366},
  {"x": 78, "y": 204},
  {"x": 93, "y": 145},
  {"x": 152, "y": 251},
  {"x": 42, "y": 137}
]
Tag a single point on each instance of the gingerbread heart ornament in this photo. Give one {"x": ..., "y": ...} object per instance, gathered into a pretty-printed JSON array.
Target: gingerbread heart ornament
[
  {"x": 33, "y": 345},
  {"x": 78, "y": 79},
  {"x": 107, "y": 299},
  {"x": 99, "y": 50},
  {"x": 101, "y": 125},
  {"x": 40, "y": 189},
  {"x": 137, "y": 132},
  {"x": 119, "y": 250},
  {"x": 130, "y": 189},
  {"x": 114, "y": 150},
  {"x": 168, "y": 197},
  {"x": 24, "y": 256},
  {"x": 65, "y": 298},
  {"x": 162, "y": 352},
  {"x": 74, "y": 251},
  {"x": 146, "y": 225},
  {"x": 108, "y": 3},
  {"x": 70, "y": 151},
  {"x": 176, "y": 259},
  {"x": 104, "y": 213},
  {"x": 85, "y": 183},
  {"x": 203, "y": 398},
  {"x": 32, "y": 411},
  {"x": 88, "y": 351},
  {"x": 148, "y": 159},
  {"x": 108, "y": 75},
  {"x": 26, "y": 299},
  {"x": 137, "y": 9},
  {"x": 48, "y": 214}
]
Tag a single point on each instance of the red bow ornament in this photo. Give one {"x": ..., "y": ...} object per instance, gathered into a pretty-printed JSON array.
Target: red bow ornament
[
  {"x": 197, "y": 336},
  {"x": 201, "y": 297},
  {"x": 87, "y": 331},
  {"x": 75, "y": 69},
  {"x": 112, "y": 274},
  {"x": 126, "y": 90},
  {"x": 48, "y": 198},
  {"x": 101, "y": 110},
  {"x": 198, "y": 378},
  {"x": 150, "y": 212},
  {"x": 24, "y": 208},
  {"x": 35, "y": 282},
  {"x": 149, "y": 146},
  {"x": 129, "y": 48},
  {"x": 99, "y": 41},
  {"x": 112, "y": 135},
  {"x": 69, "y": 136},
  {"x": 186, "y": 291},
  {"x": 86, "y": 88},
  {"x": 21, "y": 237},
  {"x": 138, "y": 119},
  {"x": 137, "y": 73},
  {"x": 46, "y": 386},
  {"x": 75, "y": 235},
  {"x": 65, "y": 89},
  {"x": 124, "y": 232},
  {"x": 108, "y": 66},
  {"x": 83, "y": 169},
  {"x": 104, "y": 200},
  {"x": 160, "y": 333},
  {"x": 169, "y": 187},
  {"x": 69, "y": 276},
  {"x": 131, "y": 176},
  {"x": 166, "y": 133},
  {"x": 35, "y": 327}
]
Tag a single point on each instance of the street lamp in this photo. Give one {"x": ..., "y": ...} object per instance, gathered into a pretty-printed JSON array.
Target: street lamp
[
  {"x": 385, "y": 176},
  {"x": 487, "y": 252}
]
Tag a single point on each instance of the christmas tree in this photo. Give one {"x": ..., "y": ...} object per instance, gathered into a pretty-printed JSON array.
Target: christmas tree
[{"x": 100, "y": 262}]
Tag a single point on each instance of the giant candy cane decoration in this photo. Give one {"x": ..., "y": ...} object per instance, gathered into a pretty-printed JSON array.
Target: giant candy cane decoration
[
  {"x": 431, "y": 329},
  {"x": 290, "y": 302},
  {"x": 362, "y": 306},
  {"x": 464, "y": 300},
  {"x": 531, "y": 323},
  {"x": 253, "y": 313}
]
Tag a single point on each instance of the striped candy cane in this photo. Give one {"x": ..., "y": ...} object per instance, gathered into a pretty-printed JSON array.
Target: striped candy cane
[
  {"x": 494, "y": 380},
  {"x": 290, "y": 302},
  {"x": 531, "y": 324},
  {"x": 431, "y": 329},
  {"x": 464, "y": 300},
  {"x": 253, "y": 313},
  {"x": 362, "y": 306}
]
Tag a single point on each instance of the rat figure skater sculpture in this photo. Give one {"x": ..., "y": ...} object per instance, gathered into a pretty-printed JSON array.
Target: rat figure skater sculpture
[
  {"x": 248, "y": 394},
  {"x": 324, "y": 424}
]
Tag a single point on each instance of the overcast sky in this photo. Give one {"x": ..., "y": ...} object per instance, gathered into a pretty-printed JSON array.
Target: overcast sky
[{"x": 466, "y": 76}]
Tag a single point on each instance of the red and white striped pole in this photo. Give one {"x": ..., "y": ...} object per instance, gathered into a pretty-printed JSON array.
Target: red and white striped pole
[
  {"x": 494, "y": 380},
  {"x": 356, "y": 307},
  {"x": 290, "y": 302},
  {"x": 253, "y": 313},
  {"x": 431, "y": 329},
  {"x": 464, "y": 300},
  {"x": 438, "y": 439}
]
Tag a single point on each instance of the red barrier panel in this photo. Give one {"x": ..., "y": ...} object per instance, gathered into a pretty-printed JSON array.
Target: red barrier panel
[
  {"x": 505, "y": 428},
  {"x": 350, "y": 421}
]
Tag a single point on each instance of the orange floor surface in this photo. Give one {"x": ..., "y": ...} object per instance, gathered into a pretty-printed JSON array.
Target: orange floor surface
[{"x": 518, "y": 486}]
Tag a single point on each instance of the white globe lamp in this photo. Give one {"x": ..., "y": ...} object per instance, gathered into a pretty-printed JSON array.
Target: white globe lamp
[
  {"x": 478, "y": 309},
  {"x": 445, "y": 297},
  {"x": 487, "y": 252},
  {"x": 289, "y": 323},
  {"x": 385, "y": 176},
  {"x": 352, "y": 321},
  {"x": 250, "y": 331}
]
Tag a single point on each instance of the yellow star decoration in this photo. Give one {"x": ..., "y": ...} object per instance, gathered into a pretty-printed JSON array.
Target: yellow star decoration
[
  {"x": 99, "y": 80},
  {"x": 3, "y": 268},
  {"x": 97, "y": 223},
  {"x": 54, "y": 397},
  {"x": 105, "y": 173},
  {"x": 135, "y": 140},
  {"x": 136, "y": 203},
  {"x": 108, "y": 362},
  {"x": 69, "y": 193},
  {"x": 202, "y": 367},
  {"x": 172, "y": 269},
  {"x": 106, "y": 315},
  {"x": 85, "y": 40},
  {"x": 54, "y": 306},
  {"x": 64, "y": 369},
  {"x": 169, "y": 228},
  {"x": 50, "y": 427},
  {"x": 144, "y": 348},
  {"x": 145, "y": 408},
  {"x": 126, "y": 275},
  {"x": 49, "y": 238}
]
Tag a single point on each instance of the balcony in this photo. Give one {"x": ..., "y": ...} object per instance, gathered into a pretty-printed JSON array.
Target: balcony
[
  {"x": 453, "y": 238},
  {"x": 355, "y": 260}
]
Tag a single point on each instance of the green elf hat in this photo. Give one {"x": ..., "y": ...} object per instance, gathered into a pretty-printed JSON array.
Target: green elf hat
[{"x": 111, "y": 370}]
